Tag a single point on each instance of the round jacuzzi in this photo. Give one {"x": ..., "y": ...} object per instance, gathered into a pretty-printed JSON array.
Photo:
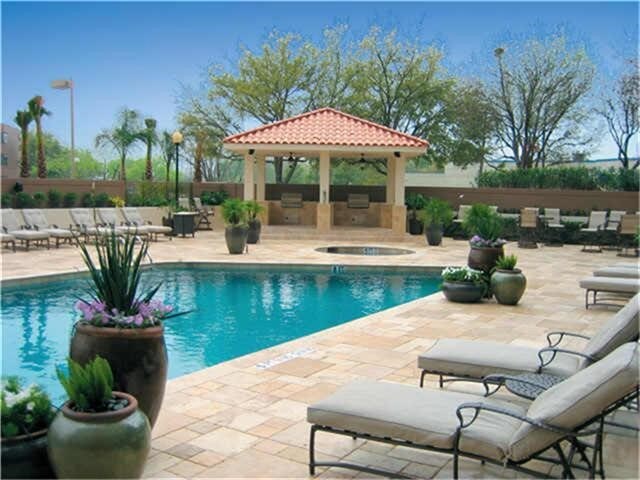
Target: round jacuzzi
[{"x": 370, "y": 251}]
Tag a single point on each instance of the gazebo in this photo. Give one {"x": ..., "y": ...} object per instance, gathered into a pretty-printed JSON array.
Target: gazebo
[{"x": 327, "y": 133}]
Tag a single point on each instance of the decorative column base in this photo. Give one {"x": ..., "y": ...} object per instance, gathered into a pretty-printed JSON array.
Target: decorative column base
[
  {"x": 324, "y": 217},
  {"x": 399, "y": 219}
]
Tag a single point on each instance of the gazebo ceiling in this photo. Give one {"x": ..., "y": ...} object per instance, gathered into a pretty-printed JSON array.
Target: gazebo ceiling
[{"x": 325, "y": 129}]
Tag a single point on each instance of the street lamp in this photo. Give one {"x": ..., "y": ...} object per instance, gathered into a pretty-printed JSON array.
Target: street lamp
[
  {"x": 176, "y": 138},
  {"x": 68, "y": 85}
]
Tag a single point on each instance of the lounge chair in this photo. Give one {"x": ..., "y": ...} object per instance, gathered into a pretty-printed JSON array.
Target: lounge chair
[
  {"x": 553, "y": 227},
  {"x": 462, "y": 212},
  {"x": 7, "y": 239},
  {"x": 183, "y": 202},
  {"x": 529, "y": 218},
  {"x": 619, "y": 272},
  {"x": 203, "y": 212},
  {"x": 358, "y": 200},
  {"x": 475, "y": 359},
  {"x": 627, "y": 234},
  {"x": 288, "y": 202},
  {"x": 613, "y": 220},
  {"x": 36, "y": 220},
  {"x": 11, "y": 226},
  {"x": 616, "y": 289},
  {"x": 133, "y": 218},
  {"x": 593, "y": 232},
  {"x": 486, "y": 429},
  {"x": 109, "y": 218},
  {"x": 84, "y": 222}
]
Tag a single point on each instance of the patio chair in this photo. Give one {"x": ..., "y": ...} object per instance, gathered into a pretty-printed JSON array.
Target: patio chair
[
  {"x": 484, "y": 428},
  {"x": 203, "y": 212},
  {"x": 616, "y": 289},
  {"x": 7, "y": 239},
  {"x": 628, "y": 229},
  {"x": 619, "y": 272},
  {"x": 462, "y": 212},
  {"x": 289, "y": 201},
  {"x": 358, "y": 200},
  {"x": 84, "y": 222},
  {"x": 553, "y": 227},
  {"x": 593, "y": 232},
  {"x": 133, "y": 218},
  {"x": 475, "y": 359},
  {"x": 529, "y": 228},
  {"x": 615, "y": 216},
  {"x": 36, "y": 220},
  {"x": 109, "y": 218},
  {"x": 12, "y": 227}
]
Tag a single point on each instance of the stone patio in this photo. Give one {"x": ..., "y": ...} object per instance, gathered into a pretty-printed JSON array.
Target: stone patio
[{"x": 237, "y": 420}]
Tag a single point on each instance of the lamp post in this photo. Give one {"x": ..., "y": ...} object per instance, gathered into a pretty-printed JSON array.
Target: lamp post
[
  {"x": 176, "y": 138},
  {"x": 68, "y": 85}
]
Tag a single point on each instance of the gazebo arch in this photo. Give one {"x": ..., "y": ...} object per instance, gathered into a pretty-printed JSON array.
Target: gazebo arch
[{"x": 327, "y": 133}]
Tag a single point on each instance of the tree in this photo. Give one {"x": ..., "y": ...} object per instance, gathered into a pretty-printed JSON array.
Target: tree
[
  {"x": 537, "y": 95},
  {"x": 122, "y": 136},
  {"x": 150, "y": 138},
  {"x": 620, "y": 111},
  {"x": 37, "y": 111},
  {"x": 23, "y": 119},
  {"x": 167, "y": 151},
  {"x": 59, "y": 159}
]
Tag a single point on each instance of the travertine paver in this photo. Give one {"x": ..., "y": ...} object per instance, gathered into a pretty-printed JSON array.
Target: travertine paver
[{"x": 237, "y": 420}]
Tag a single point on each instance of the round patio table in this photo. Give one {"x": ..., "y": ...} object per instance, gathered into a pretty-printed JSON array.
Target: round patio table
[{"x": 531, "y": 385}]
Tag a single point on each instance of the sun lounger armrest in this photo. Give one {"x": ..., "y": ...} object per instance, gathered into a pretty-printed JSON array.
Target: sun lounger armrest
[
  {"x": 554, "y": 351},
  {"x": 497, "y": 380},
  {"x": 562, "y": 335}
]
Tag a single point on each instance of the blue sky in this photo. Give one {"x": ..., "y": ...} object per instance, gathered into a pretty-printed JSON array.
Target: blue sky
[{"x": 138, "y": 54}]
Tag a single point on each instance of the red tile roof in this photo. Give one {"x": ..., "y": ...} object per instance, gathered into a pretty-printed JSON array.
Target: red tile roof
[{"x": 327, "y": 126}]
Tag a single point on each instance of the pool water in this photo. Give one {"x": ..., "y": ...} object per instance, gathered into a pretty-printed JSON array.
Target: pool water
[{"x": 235, "y": 311}]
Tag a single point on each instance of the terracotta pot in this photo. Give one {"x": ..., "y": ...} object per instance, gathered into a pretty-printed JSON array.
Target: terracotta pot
[
  {"x": 484, "y": 258},
  {"x": 112, "y": 444},
  {"x": 433, "y": 233},
  {"x": 25, "y": 456},
  {"x": 138, "y": 359},
  {"x": 508, "y": 286},
  {"x": 462, "y": 292},
  {"x": 236, "y": 237},
  {"x": 253, "y": 234}
]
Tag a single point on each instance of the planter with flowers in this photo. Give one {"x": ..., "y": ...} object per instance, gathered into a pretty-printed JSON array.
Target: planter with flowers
[
  {"x": 98, "y": 433},
  {"x": 485, "y": 226},
  {"x": 507, "y": 282},
  {"x": 463, "y": 284},
  {"x": 122, "y": 325},
  {"x": 26, "y": 415}
]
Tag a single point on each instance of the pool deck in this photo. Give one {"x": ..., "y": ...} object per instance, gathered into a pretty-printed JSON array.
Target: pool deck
[{"x": 239, "y": 420}]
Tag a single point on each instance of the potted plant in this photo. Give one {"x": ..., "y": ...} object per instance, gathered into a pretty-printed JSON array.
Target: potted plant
[
  {"x": 234, "y": 213},
  {"x": 415, "y": 202},
  {"x": 98, "y": 432},
  {"x": 507, "y": 282},
  {"x": 463, "y": 284},
  {"x": 253, "y": 210},
  {"x": 436, "y": 215},
  {"x": 26, "y": 415},
  {"x": 485, "y": 227},
  {"x": 123, "y": 325}
]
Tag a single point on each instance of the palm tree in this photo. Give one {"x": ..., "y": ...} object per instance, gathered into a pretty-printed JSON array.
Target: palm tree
[
  {"x": 122, "y": 136},
  {"x": 168, "y": 150},
  {"x": 23, "y": 119},
  {"x": 150, "y": 138},
  {"x": 37, "y": 111}
]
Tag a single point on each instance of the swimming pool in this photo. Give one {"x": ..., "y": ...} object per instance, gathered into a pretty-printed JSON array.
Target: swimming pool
[{"x": 237, "y": 310}]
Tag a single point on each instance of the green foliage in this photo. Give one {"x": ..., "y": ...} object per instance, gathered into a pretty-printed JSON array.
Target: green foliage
[
  {"x": 234, "y": 211},
  {"x": 214, "y": 198},
  {"x": 253, "y": 209},
  {"x": 17, "y": 187},
  {"x": 102, "y": 200},
  {"x": 462, "y": 274},
  {"x": 69, "y": 199},
  {"x": 55, "y": 198},
  {"x": 89, "y": 387},
  {"x": 507, "y": 262},
  {"x": 59, "y": 159},
  {"x": 483, "y": 222},
  {"x": 6, "y": 200},
  {"x": 573, "y": 178},
  {"x": 24, "y": 200},
  {"x": 415, "y": 201},
  {"x": 149, "y": 194},
  {"x": 436, "y": 212},
  {"x": 122, "y": 137},
  {"x": 24, "y": 410},
  {"x": 88, "y": 200},
  {"x": 39, "y": 200}
]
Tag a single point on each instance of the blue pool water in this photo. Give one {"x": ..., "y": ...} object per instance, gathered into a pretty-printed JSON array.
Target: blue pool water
[{"x": 236, "y": 311}]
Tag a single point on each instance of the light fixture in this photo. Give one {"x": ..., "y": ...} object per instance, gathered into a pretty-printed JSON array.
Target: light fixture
[
  {"x": 176, "y": 137},
  {"x": 363, "y": 162},
  {"x": 290, "y": 159},
  {"x": 67, "y": 84},
  {"x": 251, "y": 151},
  {"x": 396, "y": 154}
]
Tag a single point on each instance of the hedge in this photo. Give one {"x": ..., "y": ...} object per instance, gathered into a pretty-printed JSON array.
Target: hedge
[{"x": 572, "y": 178}]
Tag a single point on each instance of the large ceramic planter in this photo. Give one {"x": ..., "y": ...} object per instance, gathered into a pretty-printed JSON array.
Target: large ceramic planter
[
  {"x": 138, "y": 359},
  {"x": 112, "y": 444},
  {"x": 433, "y": 232},
  {"x": 415, "y": 226},
  {"x": 253, "y": 233},
  {"x": 508, "y": 286},
  {"x": 25, "y": 456},
  {"x": 236, "y": 237},
  {"x": 462, "y": 292},
  {"x": 484, "y": 258}
]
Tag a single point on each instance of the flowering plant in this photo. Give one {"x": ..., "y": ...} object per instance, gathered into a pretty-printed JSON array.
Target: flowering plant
[
  {"x": 478, "y": 241},
  {"x": 24, "y": 410},
  {"x": 149, "y": 314},
  {"x": 462, "y": 274}
]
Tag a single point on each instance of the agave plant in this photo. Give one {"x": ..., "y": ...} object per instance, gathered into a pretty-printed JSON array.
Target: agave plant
[{"x": 89, "y": 387}]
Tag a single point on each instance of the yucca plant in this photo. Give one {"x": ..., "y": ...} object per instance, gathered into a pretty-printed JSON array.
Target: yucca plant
[
  {"x": 89, "y": 387},
  {"x": 234, "y": 212},
  {"x": 253, "y": 209}
]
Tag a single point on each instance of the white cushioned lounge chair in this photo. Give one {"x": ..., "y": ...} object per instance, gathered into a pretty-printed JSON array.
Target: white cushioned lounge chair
[
  {"x": 593, "y": 232},
  {"x": 36, "y": 220},
  {"x": 12, "y": 227},
  {"x": 620, "y": 272},
  {"x": 109, "y": 218},
  {"x": 83, "y": 220},
  {"x": 7, "y": 239},
  {"x": 481, "y": 427},
  {"x": 134, "y": 219},
  {"x": 475, "y": 359},
  {"x": 616, "y": 289}
]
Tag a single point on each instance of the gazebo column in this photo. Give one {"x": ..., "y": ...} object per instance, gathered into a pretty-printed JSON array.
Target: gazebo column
[
  {"x": 248, "y": 177},
  {"x": 261, "y": 188},
  {"x": 324, "y": 211},
  {"x": 399, "y": 210}
]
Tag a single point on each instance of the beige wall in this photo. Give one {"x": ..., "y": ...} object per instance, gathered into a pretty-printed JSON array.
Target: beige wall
[{"x": 10, "y": 151}]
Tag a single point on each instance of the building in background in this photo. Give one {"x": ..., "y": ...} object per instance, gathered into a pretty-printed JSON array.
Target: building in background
[{"x": 10, "y": 152}]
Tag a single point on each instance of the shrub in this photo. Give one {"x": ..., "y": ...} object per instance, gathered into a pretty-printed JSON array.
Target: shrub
[
  {"x": 6, "y": 200},
  {"x": 24, "y": 200},
  {"x": 253, "y": 209},
  {"x": 55, "y": 198},
  {"x": 24, "y": 410},
  {"x": 149, "y": 194},
  {"x": 39, "y": 200},
  {"x": 484, "y": 225},
  {"x": 69, "y": 199},
  {"x": 214, "y": 198},
  {"x": 117, "y": 201},
  {"x": 436, "y": 212},
  {"x": 415, "y": 202},
  {"x": 17, "y": 187},
  {"x": 88, "y": 200},
  {"x": 507, "y": 262},
  {"x": 102, "y": 200},
  {"x": 234, "y": 212},
  {"x": 89, "y": 387}
]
